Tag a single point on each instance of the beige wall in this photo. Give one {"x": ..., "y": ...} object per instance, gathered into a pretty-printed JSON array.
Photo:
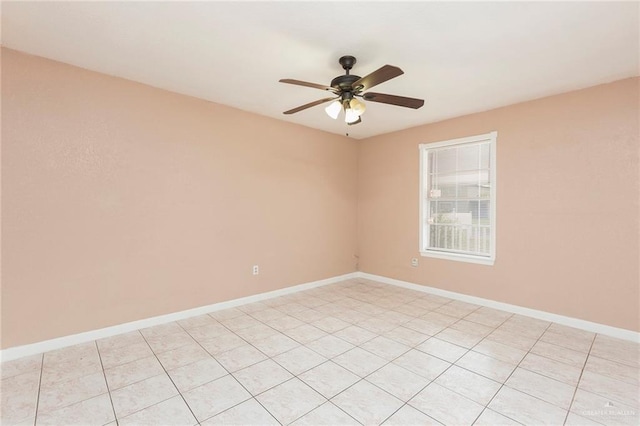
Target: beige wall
[
  {"x": 567, "y": 205},
  {"x": 122, "y": 201}
]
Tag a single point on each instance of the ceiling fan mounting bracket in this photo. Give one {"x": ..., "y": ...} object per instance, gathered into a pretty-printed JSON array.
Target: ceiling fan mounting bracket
[{"x": 347, "y": 62}]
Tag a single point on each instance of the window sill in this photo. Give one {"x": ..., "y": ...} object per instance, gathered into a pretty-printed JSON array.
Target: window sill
[{"x": 459, "y": 257}]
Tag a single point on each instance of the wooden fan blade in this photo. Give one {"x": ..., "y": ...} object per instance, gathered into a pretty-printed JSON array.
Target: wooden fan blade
[
  {"x": 307, "y": 84},
  {"x": 380, "y": 75},
  {"x": 393, "y": 100},
  {"x": 309, "y": 105}
]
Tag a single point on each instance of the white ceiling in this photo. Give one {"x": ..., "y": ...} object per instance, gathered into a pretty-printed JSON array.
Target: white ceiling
[{"x": 459, "y": 57}]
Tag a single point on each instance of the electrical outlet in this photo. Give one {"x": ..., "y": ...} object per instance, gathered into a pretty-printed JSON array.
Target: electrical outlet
[
  {"x": 256, "y": 269},
  {"x": 414, "y": 262}
]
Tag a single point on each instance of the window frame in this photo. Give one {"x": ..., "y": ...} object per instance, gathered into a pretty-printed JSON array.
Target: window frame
[{"x": 424, "y": 150}]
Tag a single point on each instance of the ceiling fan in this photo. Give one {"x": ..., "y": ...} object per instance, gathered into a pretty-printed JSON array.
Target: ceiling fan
[{"x": 348, "y": 87}]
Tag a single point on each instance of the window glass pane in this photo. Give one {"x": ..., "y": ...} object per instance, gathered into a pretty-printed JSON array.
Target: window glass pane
[
  {"x": 458, "y": 199},
  {"x": 485, "y": 150},
  {"x": 446, "y": 160},
  {"x": 468, "y": 157}
]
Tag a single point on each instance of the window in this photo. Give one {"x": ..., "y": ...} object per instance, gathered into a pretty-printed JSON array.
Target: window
[{"x": 458, "y": 199}]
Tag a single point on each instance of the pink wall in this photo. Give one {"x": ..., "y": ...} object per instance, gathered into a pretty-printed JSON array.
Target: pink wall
[
  {"x": 122, "y": 201},
  {"x": 567, "y": 205}
]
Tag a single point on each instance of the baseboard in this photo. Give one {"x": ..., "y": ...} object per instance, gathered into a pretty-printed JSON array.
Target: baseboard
[
  {"x": 619, "y": 333},
  {"x": 74, "y": 339}
]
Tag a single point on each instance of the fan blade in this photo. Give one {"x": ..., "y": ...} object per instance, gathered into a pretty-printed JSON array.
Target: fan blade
[
  {"x": 380, "y": 75},
  {"x": 307, "y": 84},
  {"x": 393, "y": 100},
  {"x": 309, "y": 105}
]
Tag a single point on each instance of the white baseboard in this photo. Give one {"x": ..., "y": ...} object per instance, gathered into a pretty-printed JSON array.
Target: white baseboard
[
  {"x": 74, "y": 339},
  {"x": 619, "y": 333},
  {"x": 88, "y": 336}
]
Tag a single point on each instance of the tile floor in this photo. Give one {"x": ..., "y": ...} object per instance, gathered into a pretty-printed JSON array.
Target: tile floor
[{"x": 356, "y": 352}]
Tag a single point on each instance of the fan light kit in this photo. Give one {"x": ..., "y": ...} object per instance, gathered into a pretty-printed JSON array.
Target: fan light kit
[{"x": 350, "y": 87}]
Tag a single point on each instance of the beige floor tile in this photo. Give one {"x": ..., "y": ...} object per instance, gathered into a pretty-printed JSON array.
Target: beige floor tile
[
  {"x": 305, "y": 333},
  {"x": 207, "y": 331},
  {"x": 196, "y": 374},
  {"x": 576, "y": 341},
  {"x": 359, "y": 361},
  {"x": 262, "y": 376},
  {"x": 424, "y": 326},
  {"x": 407, "y": 415},
  {"x": 406, "y": 335},
  {"x": 71, "y": 353},
  {"x": 267, "y": 315},
  {"x": 330, "y": 346},
  {"x": 64, "y": 371},
  {"x": 120, "y": 340},
  {"x": 377, "y": 325},
  {"x": 161, "y": 330},
  {"x": 615, "y": 390},
  {"x": 222, "y": 343},
  {"x": 285, "y": 322},
  {"x": 171, "y": 412},
  {"x": 512, "y": 338},
  {"x": 329, "y": 379},
  {"x": 355, "y": 335},
  {"x": 19, "y": 366},
  {"x": 226, "y": 314},
  {"x": 486, "y": 366},
  {"x": 171, "y": 341},
  {"x": 385, "y": 348},
  {"x": 240, "y": 357},
  {"x": 330, "y": 324},
  {"x": 613, "y": 370},
  {"x": 457, "y": 309},
  {"x": 215, "y": 397},
  {"x": 488, "y": 316},
  {"x": 326, "y": 414},
  {"x": 240, "y": 322},
  {"x": 143, "y": 394},
  {"x": 253, "y": 307},
  {"x": 308, "y": 315},
  {"x": 182, "y": 356},
  {"x": 134, "y": 371},
  {"x": 276, "y": 344},
  {"x": 550, "y": 368},
  {"x": 525, "y": 408},
  {"x": 290, "y": 400},
  {"x": 291, "y": 307},
  {"x": 398, "y": 381},
  {"x": 256, "y": 332},
  {"x": 576, "y": 420},
  {"x": 471, "y": 385},
  {"x": 460, "y": 338},
  {"x": 559, "y": 353},
  {"x": 299, "y": 360},
  {"x": 62, "y": 394},
  {"x": 19, "y": 397},
  {"x": 94, "y": 411},
  {"x": 602, "y": 410},
  {"x": 491, "y": 418},
  {"x": 441, "y": 349},
  {"x": 249, "y": 412},
  {"x": 367, "y": 403},
  {"x": 621, "y": 351},
  {"x": 197, "y": 321},
  {"x": 542, "y": 387},
  {"x": 422, "y": 364},
  {"x": 500, "y": 351},
  {"x": 439, "y": 402},
  {"x": 113, "y": 356}
]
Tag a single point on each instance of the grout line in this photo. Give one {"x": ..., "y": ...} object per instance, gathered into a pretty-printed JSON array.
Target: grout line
[
  {"x": 35, "y": 417},
  {"x": 575, "y": 391},
  {"x": 95, "y": 342}
]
